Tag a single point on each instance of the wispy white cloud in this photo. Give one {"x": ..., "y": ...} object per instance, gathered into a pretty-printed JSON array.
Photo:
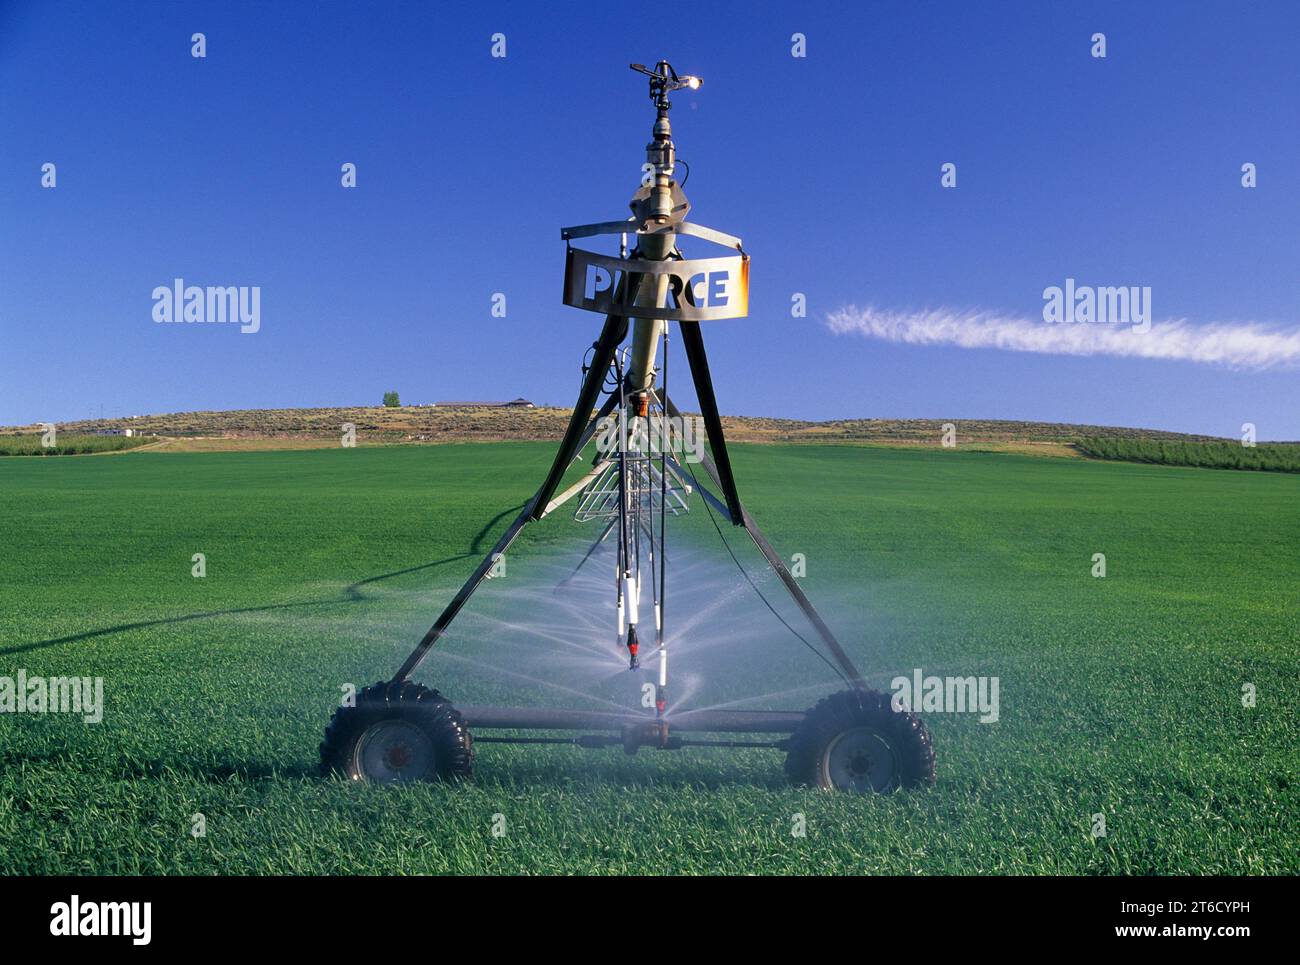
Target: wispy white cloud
[{"x": 1240, "y": 345}]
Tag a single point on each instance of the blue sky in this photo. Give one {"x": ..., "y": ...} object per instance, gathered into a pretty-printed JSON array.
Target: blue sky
[{"x": 225, "y": 171}]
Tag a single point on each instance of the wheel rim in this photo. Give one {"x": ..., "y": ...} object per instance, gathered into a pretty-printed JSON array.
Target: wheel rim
[
  {"x": 859, "y": 760},
  {"x": 392, "y": 752}
]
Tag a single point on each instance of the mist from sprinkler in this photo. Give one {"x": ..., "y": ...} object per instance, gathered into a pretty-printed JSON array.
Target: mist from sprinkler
[{"x": 543, "y": 624}]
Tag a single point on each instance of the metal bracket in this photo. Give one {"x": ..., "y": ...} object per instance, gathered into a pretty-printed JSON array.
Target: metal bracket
[{"x": 625, "y": 227}]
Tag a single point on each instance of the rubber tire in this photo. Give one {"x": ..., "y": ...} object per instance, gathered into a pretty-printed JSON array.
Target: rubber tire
[
  {"x": 453, "y": 747},
  {"x": 903, "y": 731}
]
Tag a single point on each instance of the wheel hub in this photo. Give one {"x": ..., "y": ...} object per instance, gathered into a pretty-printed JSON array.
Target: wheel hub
[
  {"x": 859, "y": 760},
  {"x": 394, "y": 751},
  {"x": 397, "y": 756}
]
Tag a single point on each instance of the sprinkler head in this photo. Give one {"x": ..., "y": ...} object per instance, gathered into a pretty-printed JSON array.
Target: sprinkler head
[
  {"x": 633, "y": 645},
  {"x": 664, "y": 80}
]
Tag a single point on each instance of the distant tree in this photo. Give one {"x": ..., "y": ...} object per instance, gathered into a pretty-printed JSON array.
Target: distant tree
[{"x": 391, "y": 400}]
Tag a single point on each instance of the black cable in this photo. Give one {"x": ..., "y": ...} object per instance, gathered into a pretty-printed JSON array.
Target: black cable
[
  {"x": 821, "y": 656},
  {"x": 665, "y": 440}
]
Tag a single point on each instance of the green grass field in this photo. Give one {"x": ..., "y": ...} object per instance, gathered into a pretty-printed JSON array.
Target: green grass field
[
  {"x": 1120, "y": 696},
  {"x": 1220, "y": 454}
]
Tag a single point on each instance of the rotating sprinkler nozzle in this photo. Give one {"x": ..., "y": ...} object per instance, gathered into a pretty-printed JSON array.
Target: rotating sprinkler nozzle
[{"x": 664, "y": 80}]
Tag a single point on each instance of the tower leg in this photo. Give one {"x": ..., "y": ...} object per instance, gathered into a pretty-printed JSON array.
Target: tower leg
[{"x": 693, "y": 340}]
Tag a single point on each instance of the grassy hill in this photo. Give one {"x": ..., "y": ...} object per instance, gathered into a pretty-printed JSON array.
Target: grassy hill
[{"x": 306, "y": 428}]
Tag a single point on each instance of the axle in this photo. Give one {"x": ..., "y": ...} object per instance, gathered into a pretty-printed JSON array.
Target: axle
[{"x": 632, "y": 732}]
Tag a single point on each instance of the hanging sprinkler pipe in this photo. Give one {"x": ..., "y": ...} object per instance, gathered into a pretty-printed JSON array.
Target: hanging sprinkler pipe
[{"x": 627, "y": 589}]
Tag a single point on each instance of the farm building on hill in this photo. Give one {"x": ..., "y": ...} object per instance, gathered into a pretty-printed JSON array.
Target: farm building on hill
[{"x": 513, "y": 404}]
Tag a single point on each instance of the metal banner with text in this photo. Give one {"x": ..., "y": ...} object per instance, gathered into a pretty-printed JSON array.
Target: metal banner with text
[{"x": 699, "y": 289}]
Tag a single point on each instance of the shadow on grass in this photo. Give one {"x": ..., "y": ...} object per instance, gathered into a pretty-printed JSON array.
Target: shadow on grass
[
  {"x": 704, "y": 770},
  {"x": 220, "y": 773},
  {"x": 594, "y": 770},
  {"x": 352, "y": 594},
  {"x": 68, "y": 759}
]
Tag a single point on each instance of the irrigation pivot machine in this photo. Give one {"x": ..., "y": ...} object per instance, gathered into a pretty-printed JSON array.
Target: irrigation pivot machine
[{"x": 853, "y": 740}]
